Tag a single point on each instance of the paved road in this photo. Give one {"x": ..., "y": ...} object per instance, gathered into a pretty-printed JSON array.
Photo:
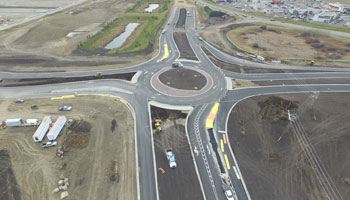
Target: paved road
[{"x": 140, "y": 93}]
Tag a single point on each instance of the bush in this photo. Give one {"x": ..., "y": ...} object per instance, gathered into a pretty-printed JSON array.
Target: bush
[
  {"x": 256, "y": 45},
  {"x": 317, "y": 45},
  {"x": 310, "y": 41},
  {"x": 306, "y": 34},
  {"x": 263, "y": 27}
]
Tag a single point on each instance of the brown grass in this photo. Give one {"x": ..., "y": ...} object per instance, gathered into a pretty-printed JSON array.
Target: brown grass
[{"x": 278, "y": 42}]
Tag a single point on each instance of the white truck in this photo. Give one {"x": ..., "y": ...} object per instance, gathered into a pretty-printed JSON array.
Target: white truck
[{"x": 171, "y": 158}]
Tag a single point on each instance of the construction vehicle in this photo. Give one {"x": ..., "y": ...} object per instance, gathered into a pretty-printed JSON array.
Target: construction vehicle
[
  {"x": 99, "y": 74},
  {"x": 59, "y": 152},
  {"x": 312, "y": 62},
  {"x": 171, "y": 158},
  {"x": 158, "y": 126},
  {"x": 3, "y": 125}
]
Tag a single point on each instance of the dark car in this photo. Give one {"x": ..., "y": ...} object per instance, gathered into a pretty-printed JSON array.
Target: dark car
[{"x": 179, "y": 64}]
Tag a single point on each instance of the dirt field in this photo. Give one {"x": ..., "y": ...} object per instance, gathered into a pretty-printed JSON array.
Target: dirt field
[
  {"x": 279, "y": 42},
  {"x": 45, "y": 44},
  {"x": 181, "y": 182},
  {"x": 37, "y": 170},
  {"x": 184, "y": 47},
  {"x": 270, "y": 157},
  {"x": 219, "y": 39},
  {"x": 184, "y": 79}
]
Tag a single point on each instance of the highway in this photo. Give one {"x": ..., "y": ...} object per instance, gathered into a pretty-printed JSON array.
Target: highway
[{"x": 140, "y": 93}]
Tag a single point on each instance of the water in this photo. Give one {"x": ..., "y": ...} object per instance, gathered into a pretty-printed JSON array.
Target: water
[
  {"x": 118, "y": 41},
  {"x": 151, "y": 7}
]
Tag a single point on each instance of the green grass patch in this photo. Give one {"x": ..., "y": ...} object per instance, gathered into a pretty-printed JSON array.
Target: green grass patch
[
  {"x": 207, "y": 11},
  {"x": 144, "y": 35}
]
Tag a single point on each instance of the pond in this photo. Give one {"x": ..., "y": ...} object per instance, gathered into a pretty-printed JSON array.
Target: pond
[
  {"x": 151, "y": 7},
  {"x": 118, "y": 41}
]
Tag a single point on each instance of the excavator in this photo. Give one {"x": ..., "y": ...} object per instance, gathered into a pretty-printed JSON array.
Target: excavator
[
  {"x": 312, "y": 62},
  {"x": 158, "y": 126}
]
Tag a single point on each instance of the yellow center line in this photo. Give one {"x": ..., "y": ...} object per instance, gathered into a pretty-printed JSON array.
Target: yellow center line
[
  {"x": 222, "y": 146},
  {"x": 227, "y": 162}
]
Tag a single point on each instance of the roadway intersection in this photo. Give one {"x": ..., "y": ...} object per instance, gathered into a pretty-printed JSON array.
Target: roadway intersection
[{"x": 140, "y": 93}]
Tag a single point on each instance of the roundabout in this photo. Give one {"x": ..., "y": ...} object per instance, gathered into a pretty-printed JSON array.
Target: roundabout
[{"x": 181, "y": 82}]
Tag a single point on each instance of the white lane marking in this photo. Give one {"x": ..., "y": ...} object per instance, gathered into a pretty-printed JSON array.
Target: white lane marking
[
  {"x": 208, "y": 149},
  {"x": 237, "y": 174},
  {"x": 196, "y": 150}
]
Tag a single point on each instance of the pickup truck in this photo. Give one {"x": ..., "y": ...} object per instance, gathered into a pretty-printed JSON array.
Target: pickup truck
[{"x": 171, "y": 158}]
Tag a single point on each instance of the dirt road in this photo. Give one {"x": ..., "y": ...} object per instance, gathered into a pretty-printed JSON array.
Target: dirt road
[{"x": 37, "y": 170}]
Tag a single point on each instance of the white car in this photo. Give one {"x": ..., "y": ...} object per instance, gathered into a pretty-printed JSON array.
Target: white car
[
  {"x": 229, "y": 195},
  {"x": 65, "y": 108},
  {"x": 49, "y": 144}
]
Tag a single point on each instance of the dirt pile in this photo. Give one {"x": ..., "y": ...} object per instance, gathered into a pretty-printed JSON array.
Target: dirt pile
[
  {"x": 275, "y": 109},
  {"x": 78, "y": 134}
]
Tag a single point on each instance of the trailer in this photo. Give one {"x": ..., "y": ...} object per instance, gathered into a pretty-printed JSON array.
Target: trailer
[
  {"x": 57, "y": 128},
  {"x": 31, "y": 122},
  {"x": 14, "y": 122},
  {"x": 42, "y": 129}
]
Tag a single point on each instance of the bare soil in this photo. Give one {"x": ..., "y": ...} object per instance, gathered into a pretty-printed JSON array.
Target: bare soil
[
  {"x": 181, "y": 182},
  {"x": 270, "y": 157},
  {"x": 44, "y": 44},
  {"x": 42, "y": 81},
  {"x": 184, "y": 46},
  {"x": 219, "y": 39},
  {"x": 37, "y": 170},
  {"x": 279, "y": 42},
  {"x": 182, "y": 19},
  {"x": 185, "y": 79}
]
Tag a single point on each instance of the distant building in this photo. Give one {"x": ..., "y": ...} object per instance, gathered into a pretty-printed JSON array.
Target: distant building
[{"x": 325, "y": 17}]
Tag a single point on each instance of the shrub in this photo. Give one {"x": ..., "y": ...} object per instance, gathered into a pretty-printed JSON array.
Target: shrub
[
  {"x": 306, "y": 34},
  {"x": 263, "y": 27}
]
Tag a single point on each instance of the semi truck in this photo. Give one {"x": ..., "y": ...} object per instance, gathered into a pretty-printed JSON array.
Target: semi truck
[
  {"x": 171, "y": 158},
  {"x": 22, "y": 122}
]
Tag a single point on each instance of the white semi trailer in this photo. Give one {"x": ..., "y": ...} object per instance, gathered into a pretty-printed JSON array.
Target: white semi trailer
[
  {"x": 57, "y": 128},
  {"x": 42, "y": 129},
  {"x": 14, "y": 122}
]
